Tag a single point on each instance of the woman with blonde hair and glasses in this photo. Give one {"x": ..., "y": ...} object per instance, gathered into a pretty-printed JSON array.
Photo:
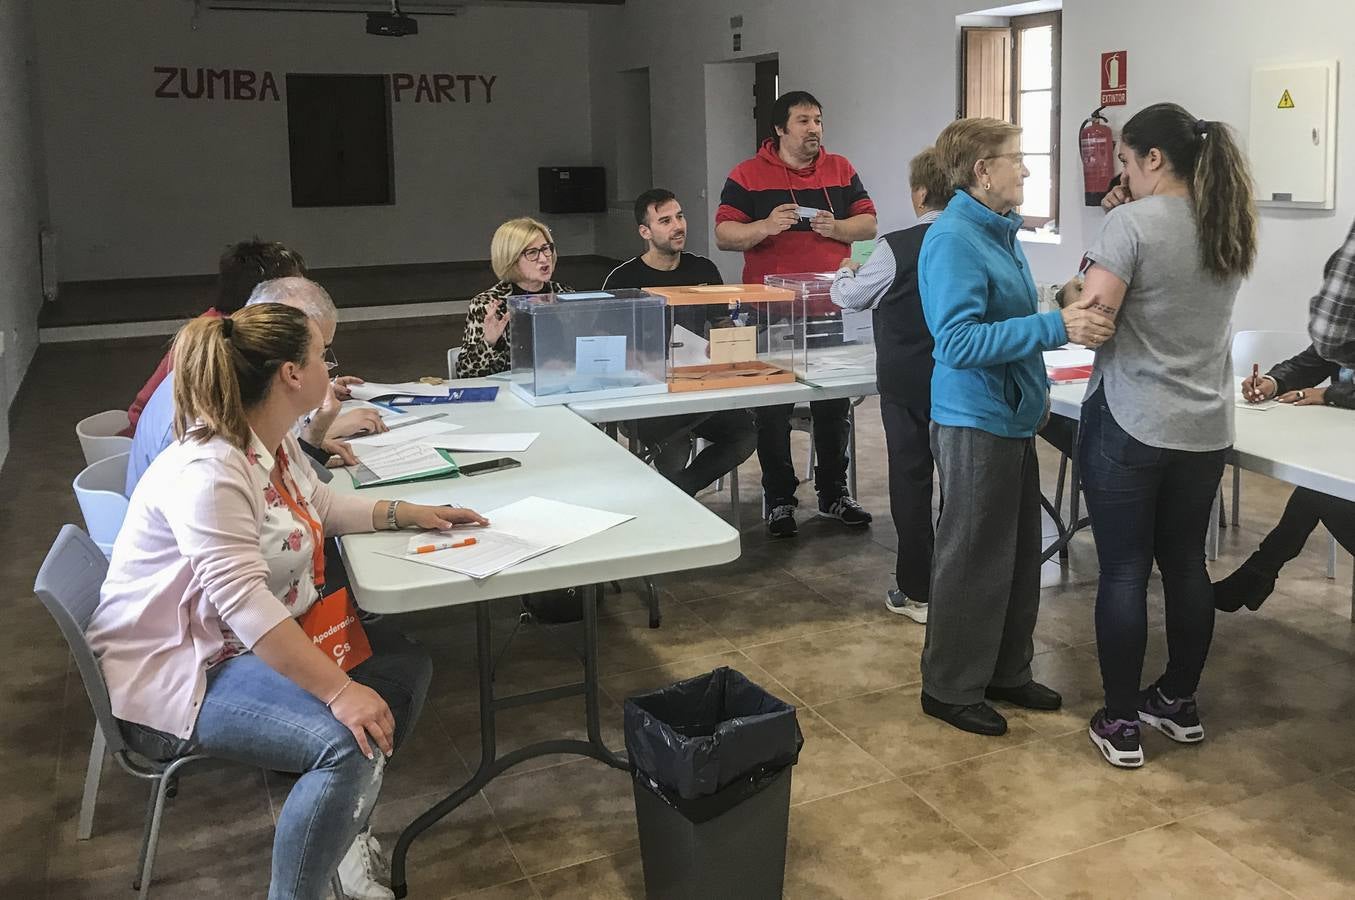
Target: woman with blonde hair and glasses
[
  {"x": 989, "y": 397},
  {"x": 1157, "y": 420},
  {"x": 202, "y": 628},
  {"x": 523, "y": 255}
]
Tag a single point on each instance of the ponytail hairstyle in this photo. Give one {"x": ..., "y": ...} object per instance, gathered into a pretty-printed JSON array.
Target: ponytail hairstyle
[
  {"x": 225, "y": 366},
  {"x": 1207, "y": 157}
]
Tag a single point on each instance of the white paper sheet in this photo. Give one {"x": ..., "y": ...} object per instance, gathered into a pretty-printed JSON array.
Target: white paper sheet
[
  {"x": 858, "y": 326},
  {"x": 695, "y": 350},
  {"x": 373, "y": 389},
  {"x": 493, "y": 551},
  {"x": 603, "y": 354},
  {"x": 551, "y": 521},
  {"x": 1259, "y": 407},
  {"x": 423, "y": 430},
  {"x": 403, "y": 461},
  {"x": 517, "y": 532},
  {"x": 504, "y": 442},
  {"x": 1069, "y": 355}
]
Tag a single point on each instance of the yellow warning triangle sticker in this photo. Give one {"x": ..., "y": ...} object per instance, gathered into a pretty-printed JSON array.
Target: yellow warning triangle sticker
[{"x": 1286, "y": 101}]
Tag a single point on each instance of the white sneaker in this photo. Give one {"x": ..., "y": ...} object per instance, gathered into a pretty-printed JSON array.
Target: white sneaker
[
  {"x": 897, "y": 601},
  {"x": 364, "y": 871}
]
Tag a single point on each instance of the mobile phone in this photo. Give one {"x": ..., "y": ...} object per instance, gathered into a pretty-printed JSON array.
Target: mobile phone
[{"x": 490, "y": 465}]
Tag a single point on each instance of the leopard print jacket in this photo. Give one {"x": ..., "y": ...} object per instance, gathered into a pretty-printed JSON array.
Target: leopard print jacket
[{"x": 478, "y": 358}]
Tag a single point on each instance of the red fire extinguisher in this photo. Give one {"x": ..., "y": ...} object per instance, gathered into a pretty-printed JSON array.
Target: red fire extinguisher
[{"x": 1097, "y": 144}]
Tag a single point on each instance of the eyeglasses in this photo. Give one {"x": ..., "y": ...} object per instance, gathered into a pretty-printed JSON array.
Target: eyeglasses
[
  {"x": 532, "y": 254},
  {"x": 1018, "y": 157},
  {"x": 331, "y": 361}
]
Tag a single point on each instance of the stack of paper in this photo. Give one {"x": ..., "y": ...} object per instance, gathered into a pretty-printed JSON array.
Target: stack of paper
[
  {"x": 517, "y": 532},
  {"x": 404, "y": 462},
  {"x": 1069, "y": 364}
]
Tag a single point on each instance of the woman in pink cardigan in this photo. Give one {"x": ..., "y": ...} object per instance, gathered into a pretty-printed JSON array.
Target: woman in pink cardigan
[{"x": 201, "y": 628}]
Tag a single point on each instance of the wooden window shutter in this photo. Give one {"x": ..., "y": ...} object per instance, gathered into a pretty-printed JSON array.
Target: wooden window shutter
[{"x": 987, "y": 72}]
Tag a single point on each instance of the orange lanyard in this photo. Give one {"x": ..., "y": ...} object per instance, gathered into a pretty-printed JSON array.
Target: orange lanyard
[{"x": 317, "y": 530}]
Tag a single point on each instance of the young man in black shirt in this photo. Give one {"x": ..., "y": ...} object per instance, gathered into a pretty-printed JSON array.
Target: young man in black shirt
[{"x": 730, "y": 435}]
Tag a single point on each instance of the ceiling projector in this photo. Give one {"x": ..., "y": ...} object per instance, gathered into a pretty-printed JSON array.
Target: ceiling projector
[{"x": 391, "y": 24}]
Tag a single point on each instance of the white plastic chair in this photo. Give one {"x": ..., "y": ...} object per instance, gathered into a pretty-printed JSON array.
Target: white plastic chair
[
  {"x": 452, "y": 356},
  {"x": 98, "y": 490},
  {"x": 99, "y": 437},
  {"x": 68, "y": 586}
]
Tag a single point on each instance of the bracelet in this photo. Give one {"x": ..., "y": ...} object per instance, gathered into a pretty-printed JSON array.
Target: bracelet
[
  {"x": 330, "y": 701},
  {"x": 391, "y": 524}
]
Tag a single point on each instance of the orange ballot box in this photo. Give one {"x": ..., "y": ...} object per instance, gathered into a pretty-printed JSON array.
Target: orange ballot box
[{"x": 730, "y": 335}]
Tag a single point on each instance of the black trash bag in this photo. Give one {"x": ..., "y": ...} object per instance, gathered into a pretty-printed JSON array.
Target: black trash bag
[{"x": 694, "y": 738}]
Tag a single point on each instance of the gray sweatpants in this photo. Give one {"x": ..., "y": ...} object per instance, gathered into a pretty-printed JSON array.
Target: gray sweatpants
[{"x": 985, "y": 592}]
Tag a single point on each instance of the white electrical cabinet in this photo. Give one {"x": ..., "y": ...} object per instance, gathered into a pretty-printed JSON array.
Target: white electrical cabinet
[{"x": 1292, "y": 141}]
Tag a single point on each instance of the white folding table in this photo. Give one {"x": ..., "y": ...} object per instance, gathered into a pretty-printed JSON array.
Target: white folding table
[
  {"x": 1306, "y": 446},
  {"x": 573, "y": 462}
]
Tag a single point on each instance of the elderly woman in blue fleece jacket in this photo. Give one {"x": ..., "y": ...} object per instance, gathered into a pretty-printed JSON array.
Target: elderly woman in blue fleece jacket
[{"x": 989, "y": 397}]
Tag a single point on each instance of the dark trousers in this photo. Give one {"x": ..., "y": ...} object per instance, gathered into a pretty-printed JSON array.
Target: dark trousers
[
  {"x": 1147, "y": 504},
  {"x": 731, "y": 438},
  {"x": 985, "y": 593},
  {"x": 832, "y": 426},
  {"x": 1302, "y": 514},
  {"x": 909, "y": 450}
]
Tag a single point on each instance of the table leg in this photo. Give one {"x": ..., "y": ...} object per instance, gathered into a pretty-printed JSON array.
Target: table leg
[{"x": 492, "y": 765}]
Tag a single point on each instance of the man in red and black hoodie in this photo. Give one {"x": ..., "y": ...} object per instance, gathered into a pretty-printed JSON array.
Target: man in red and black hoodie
[{"x": 797, "y": 208}]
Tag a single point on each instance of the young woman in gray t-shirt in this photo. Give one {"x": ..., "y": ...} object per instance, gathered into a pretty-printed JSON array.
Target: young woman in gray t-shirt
[{"x": 1157, "y": 420}]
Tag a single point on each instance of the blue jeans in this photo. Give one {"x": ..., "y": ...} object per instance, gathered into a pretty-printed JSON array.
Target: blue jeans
[
  {"x": 1147, "y": 503},
  {"x": 255, "y": 716}
]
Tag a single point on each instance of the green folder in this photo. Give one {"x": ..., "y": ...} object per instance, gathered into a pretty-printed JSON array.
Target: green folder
[{"x": 364, "y": 477}]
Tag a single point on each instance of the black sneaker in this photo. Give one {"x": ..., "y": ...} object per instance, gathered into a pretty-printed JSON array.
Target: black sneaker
[
  {"x": 1117, "y": 739},
  {"x": 1177, "y": 719},
  {"x": 781, "y": 522},
  {"x": 846, "y": 510}
]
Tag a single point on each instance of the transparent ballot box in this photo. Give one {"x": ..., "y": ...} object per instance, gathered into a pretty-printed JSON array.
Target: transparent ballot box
[
  {"x": 837, "y": 343},
  {"x": 729, "y": 335},
  {"x": 594, "y": 345}
]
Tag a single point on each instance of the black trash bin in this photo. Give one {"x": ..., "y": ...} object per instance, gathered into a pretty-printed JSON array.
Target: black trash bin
[{"x": 711, "y": 763}]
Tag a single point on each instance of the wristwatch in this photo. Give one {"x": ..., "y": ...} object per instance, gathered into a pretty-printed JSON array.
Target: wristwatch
[{"x": 391, "y": 524}]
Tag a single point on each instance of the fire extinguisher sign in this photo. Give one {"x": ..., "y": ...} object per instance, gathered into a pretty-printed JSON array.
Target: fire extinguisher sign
[{"x": 1114, "y": 77}]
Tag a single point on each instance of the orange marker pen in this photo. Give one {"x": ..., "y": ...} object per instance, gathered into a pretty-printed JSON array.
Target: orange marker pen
[{"x": 433, "y": 548}]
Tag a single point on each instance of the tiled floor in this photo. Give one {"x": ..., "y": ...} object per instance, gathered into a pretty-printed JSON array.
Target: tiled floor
[{"x": 886, "y": 802}]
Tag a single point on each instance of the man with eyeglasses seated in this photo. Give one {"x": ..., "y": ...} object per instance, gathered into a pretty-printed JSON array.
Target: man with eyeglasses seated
[
  {"x": 730, "y": 434},
  {"x": 320, "y": 434},
  {"x": 522, "y": 253}
]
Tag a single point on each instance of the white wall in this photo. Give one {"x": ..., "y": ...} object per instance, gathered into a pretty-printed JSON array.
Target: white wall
[
  {"x": 144, "y": 186},
  {"x": 21, "y": 200},
  {"x": 886, "y": 73}
]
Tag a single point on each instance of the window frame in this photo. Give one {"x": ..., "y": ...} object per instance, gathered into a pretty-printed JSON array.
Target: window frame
[
  {"x": 1019, "y": 24},
  {"x": 1014, "y": 27}
]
